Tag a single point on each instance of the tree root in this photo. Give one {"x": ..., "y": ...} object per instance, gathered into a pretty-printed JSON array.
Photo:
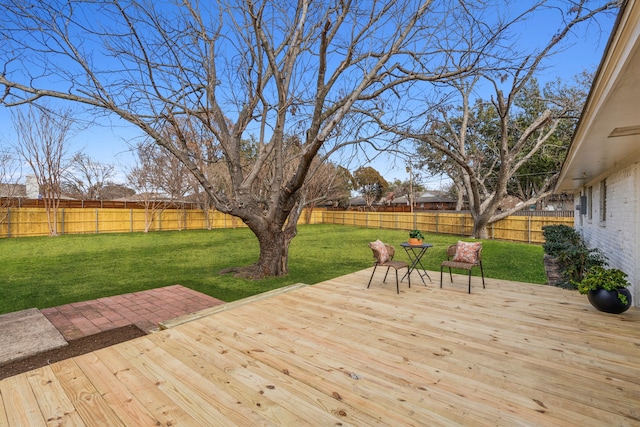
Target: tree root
[{"x": 252, "y": 272}]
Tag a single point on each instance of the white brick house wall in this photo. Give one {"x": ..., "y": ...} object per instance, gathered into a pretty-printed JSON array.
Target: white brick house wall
[{"x": 617, "y": 234}]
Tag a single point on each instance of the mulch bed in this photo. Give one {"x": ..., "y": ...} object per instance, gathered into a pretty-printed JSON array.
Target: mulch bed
[{"x": 75, "y": 348}]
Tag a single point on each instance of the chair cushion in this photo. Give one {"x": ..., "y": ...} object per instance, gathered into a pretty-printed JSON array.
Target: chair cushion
[
  {"x": 460, "y": 265},
  {"x": 379, "y": 251},
  {"x": 467, "y": 252}
]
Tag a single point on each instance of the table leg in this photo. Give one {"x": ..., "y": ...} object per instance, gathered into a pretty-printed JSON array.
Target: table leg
[
  {"x": 415, "y": 261},
  {"x": 419, "y": 261}
]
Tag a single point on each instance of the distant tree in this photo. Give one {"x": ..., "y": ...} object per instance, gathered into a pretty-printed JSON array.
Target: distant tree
[
  {"x": 326, "y": 182},
  {"x": 112, "y": 191},
  {"x": 206, "y": 153},
  {"x": 489, "y": 142},
  {"x": 399, "y": 188},
  {"x": 534, "y": 176},
  {"x": 159, "y": 180},
  {"x": 370, "y": 184},
  {"x": 343, "y": 185},
  {"x": 42, "y": 140},
  {"x": 439, "y": 164},
  {"x": 85, "y": 178},
  {"x": 406, "y": 188},
  {"x": 9, "y": 175},
  {"x": 513, "y": 145}
]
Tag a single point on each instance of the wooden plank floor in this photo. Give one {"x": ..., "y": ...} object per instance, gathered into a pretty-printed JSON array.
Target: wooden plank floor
[{"x": 336, "y": 353}]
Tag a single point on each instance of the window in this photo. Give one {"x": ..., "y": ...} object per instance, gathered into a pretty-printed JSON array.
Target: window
[{"x": 603, "y": 200}]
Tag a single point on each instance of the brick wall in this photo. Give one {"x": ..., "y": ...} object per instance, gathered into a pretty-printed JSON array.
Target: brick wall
[{"x": 616, "y": 235}]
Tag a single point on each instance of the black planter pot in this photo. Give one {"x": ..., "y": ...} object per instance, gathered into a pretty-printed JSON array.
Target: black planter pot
[{"x": 608, "y": 301}]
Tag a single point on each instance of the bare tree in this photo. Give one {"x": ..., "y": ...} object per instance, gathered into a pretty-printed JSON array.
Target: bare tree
[
  {"x": 482, "y": 145},
  {"x": 42, "y": 140},
  {"x": 159, "y": 180},
  {"x": 9, "y": 175},
  {"x": 85, "y": 178},
  {"x": 112, "y": 190},
  {"x": 326, "y": 182},
  {"x": 237, "y": 68}
]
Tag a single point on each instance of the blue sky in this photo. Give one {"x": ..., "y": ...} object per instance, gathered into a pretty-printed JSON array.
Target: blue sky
[{"x": 110, "y": 142}]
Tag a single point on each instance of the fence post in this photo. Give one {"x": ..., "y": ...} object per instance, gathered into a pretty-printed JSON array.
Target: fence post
[
  {"x": 131, "y": 220},
  {"x": 97, "y": 221},
  {"x": 9, "y": 221},
  {"x": 529, "y": 231},
  {"x": 62, "y": 220}
]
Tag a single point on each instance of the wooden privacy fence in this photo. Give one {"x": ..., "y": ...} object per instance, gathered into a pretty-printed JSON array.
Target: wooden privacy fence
[
  {"x": 22, "y": 222},
  {"x": 527, "y": 229}
]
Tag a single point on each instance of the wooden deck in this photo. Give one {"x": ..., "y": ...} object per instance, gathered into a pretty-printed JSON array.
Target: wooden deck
[{"x": 336, "y": 353}]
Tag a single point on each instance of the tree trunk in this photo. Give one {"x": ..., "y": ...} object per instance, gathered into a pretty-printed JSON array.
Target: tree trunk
[
  {"x": 480, "y": 223},
  {"x": 309, "y": 213},
  {"x": 148, "y": 218},
  {"x": 274, "y": 236},
  {"x": 50, "y": 208},
  {"x": 274, "y": 255},
  {"x": 274, "y": 252}
]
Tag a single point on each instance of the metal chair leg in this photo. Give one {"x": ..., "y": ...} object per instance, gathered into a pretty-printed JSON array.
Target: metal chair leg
[
  {"x": 397, "y": 282},
  {"x": 385, "y": 275},
  {"x": 374, "y": 272}
]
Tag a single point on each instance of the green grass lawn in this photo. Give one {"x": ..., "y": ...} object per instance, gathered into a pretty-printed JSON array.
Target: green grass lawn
[{"x": 44, "y": 272}]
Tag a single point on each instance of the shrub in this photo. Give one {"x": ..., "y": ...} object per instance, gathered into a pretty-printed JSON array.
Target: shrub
[
  {"x": 558, "y": 238},
  {"x": 574, "y": 258}
]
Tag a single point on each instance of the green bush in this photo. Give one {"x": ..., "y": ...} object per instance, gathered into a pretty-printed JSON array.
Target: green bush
[
  {"x": 575, "y": 260},
  {"x": 558, "y": 238},
  {"x": 573, "y": 256}
]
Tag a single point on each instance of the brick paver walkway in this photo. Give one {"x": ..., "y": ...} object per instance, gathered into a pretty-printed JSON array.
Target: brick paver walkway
[{"x": 144, "y": 309}]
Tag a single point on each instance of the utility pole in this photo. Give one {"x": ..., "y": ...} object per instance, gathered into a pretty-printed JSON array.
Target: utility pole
[{"x": 410, "y": 171}]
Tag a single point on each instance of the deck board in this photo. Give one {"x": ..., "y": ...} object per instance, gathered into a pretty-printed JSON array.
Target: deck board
[
  {"x": 337, "y": 353},
  {"x": 56, "y": 407},
  {"x": 121, "y": 399},
  {"x": 20, "y": 404}
]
